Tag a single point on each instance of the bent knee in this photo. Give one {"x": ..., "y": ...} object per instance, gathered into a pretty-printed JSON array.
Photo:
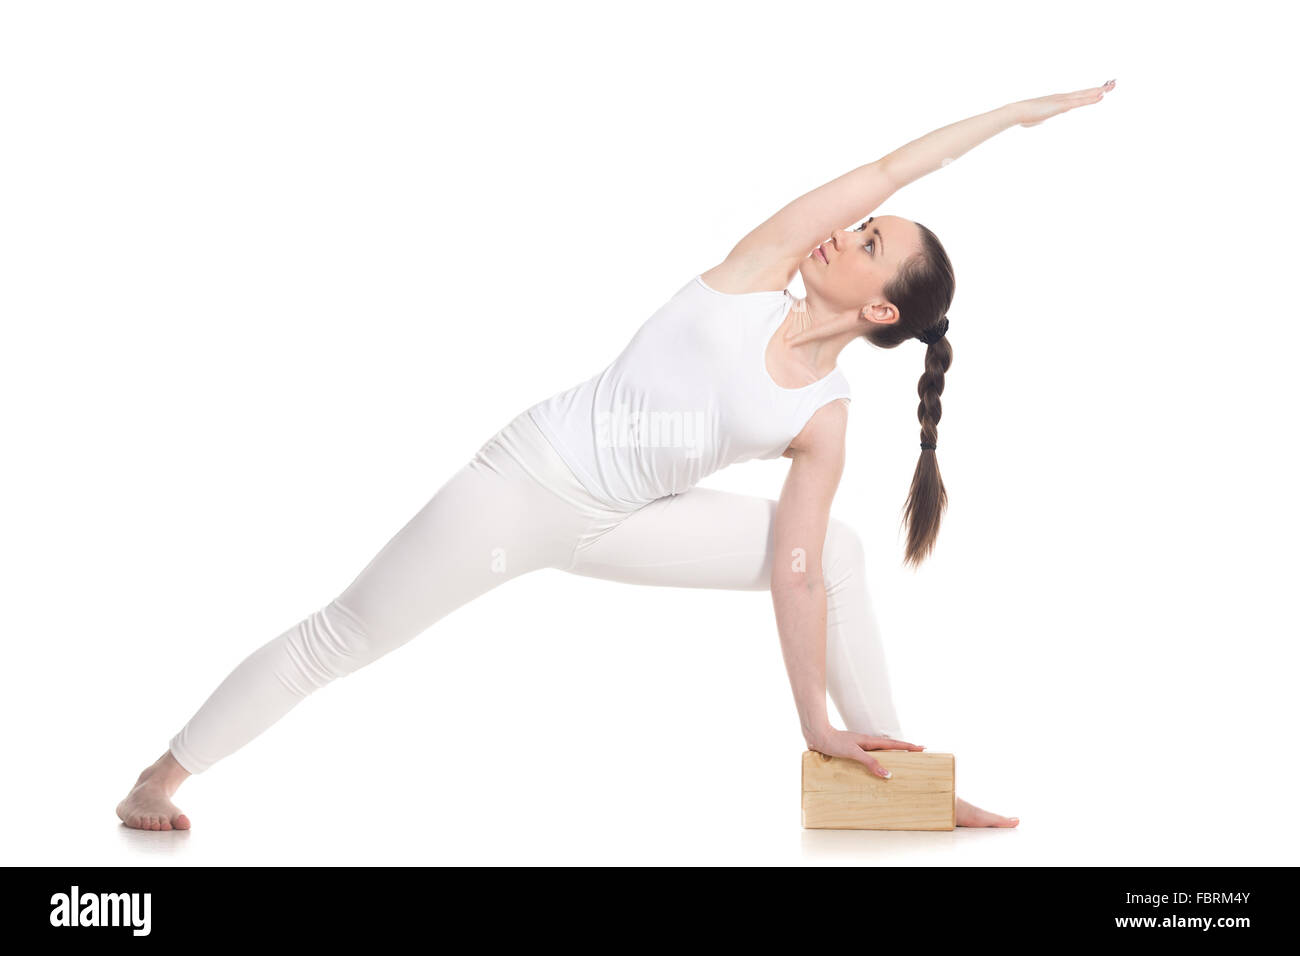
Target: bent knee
[{"x": 843, "y": 553}]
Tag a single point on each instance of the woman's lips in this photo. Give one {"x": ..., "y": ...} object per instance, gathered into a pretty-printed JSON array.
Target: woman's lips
[{"x": 822, "y": 252}]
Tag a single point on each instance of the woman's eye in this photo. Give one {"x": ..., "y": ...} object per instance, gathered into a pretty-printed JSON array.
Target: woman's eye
[{"x": 872, "y": 243}]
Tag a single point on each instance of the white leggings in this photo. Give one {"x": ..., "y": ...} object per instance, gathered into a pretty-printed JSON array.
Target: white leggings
[{"x": 514, "y": 508}]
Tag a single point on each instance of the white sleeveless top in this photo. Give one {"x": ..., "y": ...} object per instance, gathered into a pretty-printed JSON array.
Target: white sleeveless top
[{"x": 690, "y": 394}]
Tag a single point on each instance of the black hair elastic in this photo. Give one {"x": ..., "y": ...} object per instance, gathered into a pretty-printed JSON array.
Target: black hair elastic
[
  {"x": 934, "y": 333},
  {"x": 928, "y": 444}
]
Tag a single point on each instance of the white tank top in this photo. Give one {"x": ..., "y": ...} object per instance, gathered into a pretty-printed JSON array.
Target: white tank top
[{"x": 690, "y": 394}]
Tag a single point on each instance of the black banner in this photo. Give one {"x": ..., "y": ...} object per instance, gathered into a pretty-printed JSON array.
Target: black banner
[{"x": 129, "y": 906}]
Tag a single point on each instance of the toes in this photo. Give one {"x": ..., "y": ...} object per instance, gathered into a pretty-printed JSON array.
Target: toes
[{"x": 155, "y": 821}]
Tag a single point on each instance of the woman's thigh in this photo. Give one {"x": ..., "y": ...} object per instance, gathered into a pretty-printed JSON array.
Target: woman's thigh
[
  {"x": 493, "y": 520},
  {"x": 705, "y": 538},
  {"x": 505, "y": 513},
  {"x": 702, "y": 538}
]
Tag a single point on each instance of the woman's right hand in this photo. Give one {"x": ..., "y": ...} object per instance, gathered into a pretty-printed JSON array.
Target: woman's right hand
[
  {"x": 1032, "y": 112},
  {"x": 841, "y": 743}
]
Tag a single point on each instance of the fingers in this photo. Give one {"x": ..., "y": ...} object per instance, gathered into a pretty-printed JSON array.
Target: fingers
[
  {"x": 870, "y": 762},
  {"x": 874, "y": 765},
  {"x": 1094, "y": 90},
  {"x": 1094, "y": 94}
]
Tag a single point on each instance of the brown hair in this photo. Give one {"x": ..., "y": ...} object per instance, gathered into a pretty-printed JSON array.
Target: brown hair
[{"x": 922, "y": 290}]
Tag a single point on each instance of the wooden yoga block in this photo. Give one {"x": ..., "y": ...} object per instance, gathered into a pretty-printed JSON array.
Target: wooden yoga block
[{"x": 842, "y": 794}]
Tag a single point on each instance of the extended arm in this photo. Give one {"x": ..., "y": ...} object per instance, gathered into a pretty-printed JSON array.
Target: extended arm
[
  {"x": 910, "y": 162},
  {"x": 800, "y": 225},
  {"x": 798, "y": 588}
]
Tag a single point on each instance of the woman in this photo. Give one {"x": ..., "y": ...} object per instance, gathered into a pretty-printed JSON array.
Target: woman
[{"x": 599, "y": 479}]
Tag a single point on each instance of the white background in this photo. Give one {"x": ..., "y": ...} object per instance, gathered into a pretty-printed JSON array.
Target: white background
[{"x": 272, "y": 272}]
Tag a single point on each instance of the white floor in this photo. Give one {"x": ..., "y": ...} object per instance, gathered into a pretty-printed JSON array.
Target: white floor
[
  {"x": 667, "y": 737},
  {"x": 319, "y": 820},
  {"x": 563, "y": 805}
]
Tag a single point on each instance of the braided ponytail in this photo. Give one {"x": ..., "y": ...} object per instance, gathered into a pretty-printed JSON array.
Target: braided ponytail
[
  {"x": 922, "y": 290},
  {"x": 927, "y": 498}
]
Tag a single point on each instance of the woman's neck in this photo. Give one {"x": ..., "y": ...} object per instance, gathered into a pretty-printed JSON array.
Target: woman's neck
[{"x": 811, "y": 343}]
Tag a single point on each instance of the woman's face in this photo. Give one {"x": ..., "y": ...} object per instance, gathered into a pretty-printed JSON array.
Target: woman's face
[{"x": 858, "y": 264}]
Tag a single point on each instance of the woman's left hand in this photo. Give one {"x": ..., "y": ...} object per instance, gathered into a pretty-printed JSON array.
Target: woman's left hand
[
  {"x": 1032, "y": 112},
  {"x": 840, "y": 743}
]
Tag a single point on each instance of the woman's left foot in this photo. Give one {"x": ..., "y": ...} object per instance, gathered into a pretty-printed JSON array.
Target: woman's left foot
[
  {"x": 149, "y": 805},
  {"x": 969, "y": 815}
]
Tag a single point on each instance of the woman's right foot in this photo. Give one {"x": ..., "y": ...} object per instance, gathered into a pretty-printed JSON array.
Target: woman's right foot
[
  {"x": 969, "y": 815},
  {"x": 148, "y": 806}
]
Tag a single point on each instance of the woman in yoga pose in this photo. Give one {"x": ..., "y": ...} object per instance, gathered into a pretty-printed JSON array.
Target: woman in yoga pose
[{"x": 599, "y": 479}]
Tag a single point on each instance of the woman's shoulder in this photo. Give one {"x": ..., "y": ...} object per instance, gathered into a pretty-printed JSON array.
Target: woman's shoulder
[{"x": 825, "y": 433}]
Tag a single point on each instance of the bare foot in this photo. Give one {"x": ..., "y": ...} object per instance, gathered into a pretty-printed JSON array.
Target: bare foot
[
  {"x": 148, "y": 806},
  {"x": 969, "y": 815}
]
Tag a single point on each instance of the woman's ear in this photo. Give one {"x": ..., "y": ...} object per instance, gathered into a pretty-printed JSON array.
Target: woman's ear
[{"x": 881, "y": 313}]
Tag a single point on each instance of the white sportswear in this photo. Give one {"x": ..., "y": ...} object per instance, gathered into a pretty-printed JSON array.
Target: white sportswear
[
  {"x": 518, "y": 506},
  {"x": 689, "y": 395}
]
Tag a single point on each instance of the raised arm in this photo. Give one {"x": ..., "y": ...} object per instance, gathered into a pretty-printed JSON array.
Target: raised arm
[
  {"x": 798, "y": 588},
  {"x": 801, "y": 224}
]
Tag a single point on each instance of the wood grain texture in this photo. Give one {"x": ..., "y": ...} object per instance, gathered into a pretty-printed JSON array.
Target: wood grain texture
[{"x": 842, "y": 794}]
